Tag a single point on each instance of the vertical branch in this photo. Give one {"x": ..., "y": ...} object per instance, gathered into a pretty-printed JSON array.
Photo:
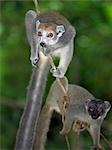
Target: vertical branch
[{"x": 26, "y": 132}]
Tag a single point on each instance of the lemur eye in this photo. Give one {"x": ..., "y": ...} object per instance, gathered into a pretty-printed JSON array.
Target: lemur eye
[
  {"x": 39, "y": 33},
  {"x": 91, "y": 109},
  {"x": 50, "y": 35}
]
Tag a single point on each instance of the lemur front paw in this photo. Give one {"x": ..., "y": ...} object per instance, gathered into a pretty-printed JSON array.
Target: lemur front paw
[
  {"x": 35, "y": 61},
  {"x": 57, "y": 72}
]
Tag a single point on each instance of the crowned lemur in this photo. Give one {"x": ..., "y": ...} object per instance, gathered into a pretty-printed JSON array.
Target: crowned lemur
[
  {"x": 83, "y": 107},
  {"x": 53, "y": 34}
]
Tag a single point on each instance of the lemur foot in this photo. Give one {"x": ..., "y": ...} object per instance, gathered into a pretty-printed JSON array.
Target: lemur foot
[
  {"x": 57, "y": 72},
  {"x": 35, "y": 62},
  {"x": 63, "y": 132}
]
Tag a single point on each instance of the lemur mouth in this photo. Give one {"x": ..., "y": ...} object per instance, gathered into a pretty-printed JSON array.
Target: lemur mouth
[{"x": 94, "y": 117}]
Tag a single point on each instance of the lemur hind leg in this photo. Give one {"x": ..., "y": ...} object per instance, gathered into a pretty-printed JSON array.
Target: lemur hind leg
[{"x": 67, "y": 123}]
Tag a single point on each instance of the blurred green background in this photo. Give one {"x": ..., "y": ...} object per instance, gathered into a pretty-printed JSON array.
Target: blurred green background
[{"x": 91, "y": 66}]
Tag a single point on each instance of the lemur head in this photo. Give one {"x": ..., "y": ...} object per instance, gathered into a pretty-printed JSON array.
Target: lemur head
[
  {"x": 97, "y": 108},
  {"x": 49, "y": 34}
]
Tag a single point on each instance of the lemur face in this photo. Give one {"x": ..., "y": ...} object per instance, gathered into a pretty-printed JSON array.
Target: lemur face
[
  {"x": 97, "y": 108},
  {"x": 49, "y": 34}
]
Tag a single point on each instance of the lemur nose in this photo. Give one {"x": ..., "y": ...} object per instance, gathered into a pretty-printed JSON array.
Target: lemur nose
[{"x": 43, "y": 44}]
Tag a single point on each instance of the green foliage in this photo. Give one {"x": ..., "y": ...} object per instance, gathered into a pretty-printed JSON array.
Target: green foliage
[{"x": 91, "y": 66}]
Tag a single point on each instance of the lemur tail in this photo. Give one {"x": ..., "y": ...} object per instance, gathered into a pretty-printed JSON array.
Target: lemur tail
[{"x": 43, "y": 127}]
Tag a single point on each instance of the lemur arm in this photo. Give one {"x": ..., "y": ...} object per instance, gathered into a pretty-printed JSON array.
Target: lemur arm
[{"x": 31, "y": 27}]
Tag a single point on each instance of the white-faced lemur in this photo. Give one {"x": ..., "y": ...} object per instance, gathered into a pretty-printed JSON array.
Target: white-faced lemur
[
  {"x": 53, "y": 34},
  {"x": 83, "y": 107}
]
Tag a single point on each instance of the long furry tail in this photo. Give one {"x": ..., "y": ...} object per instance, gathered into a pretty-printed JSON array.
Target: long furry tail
[
  {"x": 43, "y": 127},
  {"x": 26, "y": 132}
]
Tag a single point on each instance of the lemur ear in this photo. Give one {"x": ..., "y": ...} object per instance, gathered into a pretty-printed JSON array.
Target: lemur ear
[
  {"x": 87, "y": 101},
  {"x": 107, "y": 105},
  {"x": 37, "y": 24},
  {"x": 60, "y": 30}
]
